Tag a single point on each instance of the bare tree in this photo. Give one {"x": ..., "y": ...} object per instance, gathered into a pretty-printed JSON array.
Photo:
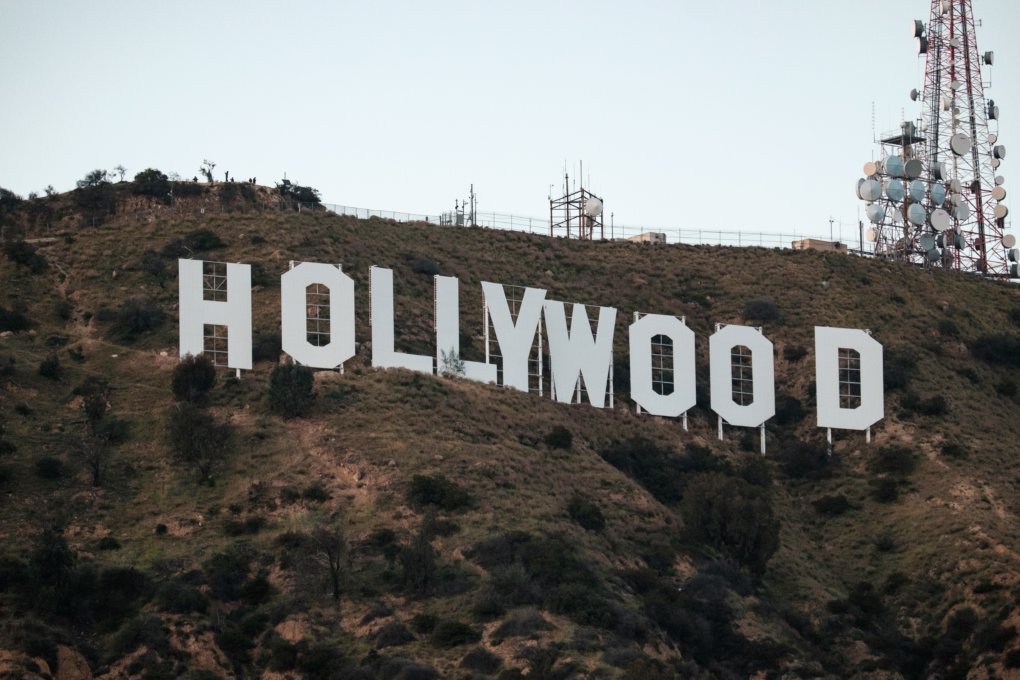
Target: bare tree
[
  {"x": 120, "y": 170},
  {"x": 329, "y": 546},
  {"x": 207, "y": 170},
  {"x": 96, "y": 442}
]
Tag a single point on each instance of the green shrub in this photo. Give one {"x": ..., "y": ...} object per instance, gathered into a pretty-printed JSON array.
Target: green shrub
[
  {"x": 438, "y": 491},
  {"x": 885, "y": 489},
  {"x": 586, "y": 513},
  {"x": 523, "y": 622},
  {"x": 193, "y": 378},
  {"x": 266, "y": 346},
  {"x": 789, "y": 410},
  {"x": 315, "y": 492},
  {"x": 481, "y": 660},
  {"x": 559, "y": 438},
  {"x": 893, "y": 459},
  {"x": 136, "y": 316},
  {"x": 291, "y": 390},
  {"x": 793, "y": 353},
  {"x": 144, "y": 631},
  {"x": 176, "y": 597},
  {"x": 448, "y": 634},
  {"x": 948, "y": 329},
  {"x": 153, "y": 183},
  {"x": 108, "y": 543},
  {"x": 12, "y": 320},
  {"x": 761, "y": 309},
  {"x": 202, "y": 240},
  {"x": 655, "y": 467},
  {"x": 954, "y": 450},
  {"x": 24, "y": 254},
  {"x": 899, "y": 367},
  {"x": 1006, "y": 388},
  {"x": 833, "y": 505},
  {"x": 424, "y": 623},
  {"x": 393, "y": 634},
  {"x": 804, "y": 459},
  {"x": 424, "y": 265},
  {"x": 197, "y": 438},
  {"x": 1000, "y": 349},
  {"x": 49, "y": 467},
  {"x": 50, "y": 367}
]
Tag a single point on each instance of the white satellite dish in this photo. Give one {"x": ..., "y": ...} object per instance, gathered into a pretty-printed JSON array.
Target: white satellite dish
[
  {"x": 955, "y": 186},
  {"x": 1014, "y": 255},
  {"x": 857, "y": 189},
  {"x": 993, "y": 113},
  {"x": 870, "y": 234},
  {"x": 961, "y": 242},
  {"x": 962, "y": 212},
  {"x": 933, "y": 255},
  {"x": 593, "y": 207},
  {"x": 914, "y": 94},
  {"x": 917, "y": 191},
  {"x": 956, "y": 42},
  {"x": 1008, "y": 241},
  {"x": 945, "y": 6},
  {"x": 1001, "y": 211},
  {"x": 999, "y": 180},
  {"x": 989, "y": 58},
  {"x": 895, "y": 190},
  {"x": 927, "y": 242},
  {"x": 876, "y": 212},
  {"x": 894, "y": 166},
  {"x": 938, "y": 194},
  {"x": 999, "y": 193},
  {"x": 917, "y": 29},
  {"x": 992, "y": 138},
  {"x": 922, "y": 45},
  {"x": 947, "y": 102},
  {"x": 940, "y": 219},
  {"x": 999, "y": 152},
  {"x": 955, "y": 85},
  {"x": 914, "y": 168},
  {"x": 916, "y": 214},
  {"x": 871, "y": 190},
  {"x": 960, "y": 143},
  {"x": 996, "y": 163},
  {"x": 871, "y": 168}
]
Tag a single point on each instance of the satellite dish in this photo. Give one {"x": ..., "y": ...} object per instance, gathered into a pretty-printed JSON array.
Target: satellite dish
[
  {"x": 937, "y": 169},
  {"x": 955, "y": 186},
  {"x": 1013, "y": 269},
  {"x": 871, "y": 190},
  {"x": 916, "y": 214},
  {"x": 955, "y": 85},
  {"x": 999, "y": 180},
  {"x": 917, "y": 191},
  {"x": 992, "y": 138},
  {"x": 996, "y": 163},
  {"x": 927, "y": 241},
  {"x": 940, "y": 219},
  {"x": 871, "y": 168},
  {"x": 962, "y": 212},
  {"x": 870, "y": 234},
  {"x": 933, "y": 255},
  {"x": 922, "y": 45},
  {"x": 914, "y": 168},
  {"x": 1014, "y": 255},
  {"x": 1008, "y": 241},
  {"x": 999, "y": 193},
  {"x": 947, "y": 102},
  {"x": 593, "y": 207},
  {"x": 857, "y": 189},
  {"x": 989, "y": 58},
  {"x": 917, "y": 28},
  {"x": 993, "y": 113},
  {"x": 999, "y": 152},
  {"x": 938, "y": 194},
  {"x": 895, "y": 191},
  {"x": 876, "y": 212},
  {"x": 894, "y": 166},
  {"x": 960, "y": 143},
  {"x": 955, "y": 42},
  {"x": 1001, "y": 211},
  {"x": 914, "y": 94},
  {"x": 961, "y": 242}
]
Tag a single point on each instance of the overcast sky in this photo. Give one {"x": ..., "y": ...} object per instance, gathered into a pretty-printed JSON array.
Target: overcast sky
[{"x": 728, "y": 114}]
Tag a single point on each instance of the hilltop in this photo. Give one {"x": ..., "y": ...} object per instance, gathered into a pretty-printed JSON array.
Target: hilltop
[{"x": 480, "y": 531}]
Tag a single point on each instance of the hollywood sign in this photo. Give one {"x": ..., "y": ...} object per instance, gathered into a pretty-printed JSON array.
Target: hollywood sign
[{"x": 575, "y": 353}]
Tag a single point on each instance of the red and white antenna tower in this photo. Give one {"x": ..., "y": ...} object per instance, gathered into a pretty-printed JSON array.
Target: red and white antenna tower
[{"x": 936, "y": 195}]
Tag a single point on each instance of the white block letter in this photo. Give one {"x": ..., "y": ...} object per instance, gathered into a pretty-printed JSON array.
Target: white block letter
[
  {"x": 383, "y": 354},
  {"x": 763, "y": 403},
  {"x": 448, "y": 330},
  {"x": 196, "y": 312},
  {"x": 294, "y": 313},
  {"x": 515, "y": 341},
  {"x": 828, "y": 342},
  {"x": 577, "y": 353},
  {"x": 683, "y": 396}
]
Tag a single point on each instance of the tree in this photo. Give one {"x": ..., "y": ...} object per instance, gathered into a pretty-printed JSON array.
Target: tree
[
  {"x": 207, "y": 170},
  {"x": 451, "y": 364},
  {"x": 197, "y": 438},
  {"x": 120, "y": 170},
  {"x": 153, "y": 183},
  {"x": 291, "y": 390},
  {"x": 418, "y": 560},
  {"x": 94, "y": 179},
  {"x": 96, "y": 442},
  {"x": 95, "y": 197},
  {"x": 193, "y": 377},
  {"x": 329, "y": 548}
]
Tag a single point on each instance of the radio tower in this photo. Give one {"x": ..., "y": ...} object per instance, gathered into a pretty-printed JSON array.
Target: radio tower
[{"x": 935, "y": 195}]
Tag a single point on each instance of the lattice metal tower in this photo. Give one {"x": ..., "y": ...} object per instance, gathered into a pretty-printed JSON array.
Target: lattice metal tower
[{"x": 934, "y": 196}]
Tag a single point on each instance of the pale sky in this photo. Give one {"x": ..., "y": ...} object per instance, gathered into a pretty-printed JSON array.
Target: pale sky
[{"x": 725, "y": 114}]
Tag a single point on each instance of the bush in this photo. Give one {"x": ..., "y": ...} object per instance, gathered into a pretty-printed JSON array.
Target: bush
[
  {"x": 794, "y": 353},
  {"x": 175, "y": 597},
  {"x": 521, "y": 623},
  {"x": 831, "y": 505},
  {"x": 448, "y": 634},
  {"x": 291, "y": 390},
  {"x": 49, "y": 467},
  {"x": 954, "y": 450},
  {"x": 732, "y": 516},
  {"x": 559, "y": 438},
  {"x": 804, "y": 459},
  {"x": 136, "y": 316},
  {"x": 202, "y": 240},
  {"x": 999, "y": 349},
  {"x": 899, "y": 367},
  {"x": 193, "y": 377},
  {"x": 1006, "y": 388},
  {"x": 935, "y": 405},
  {"x": 424, "y": 265},
  {"x": 144, "y": 631},
  {"x": 25, "y": 254},
  {"x": 12, "y": 320},
  {"x": 789, "y": 411},
  {"x": 50, "y": 367},
  {"x": 656, "y": 468},
  {"x": 438, "y": 491},
  {"x": 885, "y": 490},
  {"x": 761, "y": 309},
  {"x": 586, "y": 513},
  {"x": 393, "y": 634},
  {"x": 196, "y": 438},
  {"x": 315, "y": 492},
  {"x": 481, "y": 660},
  {"x": 108, "y": 543},
  {"x": 894, "y": 460},
  {"x": 266, "y": 347}
]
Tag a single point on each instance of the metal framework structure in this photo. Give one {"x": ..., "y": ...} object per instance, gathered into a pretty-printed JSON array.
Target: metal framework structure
[
  {"x": 536, "y": 378},
  {"x": 214, "y": 288},
  {"x": 576, "y": 214},
  {"x": 934, "y": 196}
]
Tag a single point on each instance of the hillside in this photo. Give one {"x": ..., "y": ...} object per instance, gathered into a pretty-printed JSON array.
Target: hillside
[{"x": 484, "y": 532}]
